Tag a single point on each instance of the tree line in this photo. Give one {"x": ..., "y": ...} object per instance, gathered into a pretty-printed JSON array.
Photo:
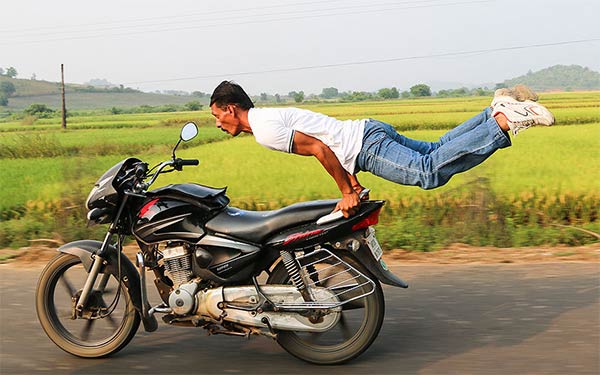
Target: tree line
[{"x": 331, "y": 93}]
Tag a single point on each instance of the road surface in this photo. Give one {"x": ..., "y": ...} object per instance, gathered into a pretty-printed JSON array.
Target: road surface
[{"x": 454, "y": 319}]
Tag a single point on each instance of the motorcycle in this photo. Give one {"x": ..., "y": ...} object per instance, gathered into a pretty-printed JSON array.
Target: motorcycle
[{"x": 319, "y": 294}]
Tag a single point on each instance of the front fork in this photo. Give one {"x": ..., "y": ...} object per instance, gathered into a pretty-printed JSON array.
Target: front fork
[{"x": 100, "y": 261}]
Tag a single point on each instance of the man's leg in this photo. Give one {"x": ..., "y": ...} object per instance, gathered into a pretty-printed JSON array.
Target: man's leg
[
  {"x": 461, "y": 150},
  {"x": 425, "y": 148}
]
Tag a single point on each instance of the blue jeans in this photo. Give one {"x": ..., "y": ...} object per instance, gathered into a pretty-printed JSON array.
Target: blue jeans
[{"x": 406, "y": 161}]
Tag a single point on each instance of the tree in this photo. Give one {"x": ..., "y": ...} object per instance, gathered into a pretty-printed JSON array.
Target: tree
[
  {"x": 39, "y": 110},
  {"x": 277, "y": 98},
  {"x": 329, "y": 93},
  {"x": 1, "y": 71},
  {"x": 264, "y": 96},
  {"x": 11, "y": 72},
  {"x": 357, "y": 96},
  {"x": 387, "y": 93},
  {"x": 420, "y": 90},
  {"x": 194, "y": 105},
  {"x": 7, "y": 88},
  {"x": 297, "y": 96}
]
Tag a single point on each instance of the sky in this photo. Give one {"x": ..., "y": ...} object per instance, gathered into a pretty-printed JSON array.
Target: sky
[{"x": 276, "y": 47}]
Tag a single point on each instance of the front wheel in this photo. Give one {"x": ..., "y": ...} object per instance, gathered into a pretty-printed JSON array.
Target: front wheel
[
  {"x": 108, "y": 321},
  {"x": 357, "y": 328}
]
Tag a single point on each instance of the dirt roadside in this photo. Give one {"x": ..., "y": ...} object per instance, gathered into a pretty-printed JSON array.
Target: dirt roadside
[{"x": 38, "y": 255}]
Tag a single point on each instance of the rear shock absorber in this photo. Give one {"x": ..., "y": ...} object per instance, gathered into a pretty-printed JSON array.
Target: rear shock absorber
[{"x": 293, "y": 270}]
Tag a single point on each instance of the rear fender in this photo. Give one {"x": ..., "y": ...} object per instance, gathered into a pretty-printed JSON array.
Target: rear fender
[
  {"x": 85, "y": 249},
  {"x": 378, "y": 268}
]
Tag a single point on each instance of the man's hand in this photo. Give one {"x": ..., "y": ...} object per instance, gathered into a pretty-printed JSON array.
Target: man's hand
[
  {"x": 358, "y": 188},
  {"x": 349, "y": 204}
]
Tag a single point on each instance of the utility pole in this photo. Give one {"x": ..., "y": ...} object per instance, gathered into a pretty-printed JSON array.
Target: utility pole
[{"x": 64, "y": 107}]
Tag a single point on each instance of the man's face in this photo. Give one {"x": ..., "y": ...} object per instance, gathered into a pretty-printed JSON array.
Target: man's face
[{"x": 226, "y": 119}]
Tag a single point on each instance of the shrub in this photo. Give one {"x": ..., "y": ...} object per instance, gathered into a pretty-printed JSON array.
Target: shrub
[{"x": 39, "y": 110}]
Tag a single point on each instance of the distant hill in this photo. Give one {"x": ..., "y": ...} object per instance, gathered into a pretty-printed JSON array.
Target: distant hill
[
  {"x": 28, "y": 92},
  {"x": 559, "y": 78}
]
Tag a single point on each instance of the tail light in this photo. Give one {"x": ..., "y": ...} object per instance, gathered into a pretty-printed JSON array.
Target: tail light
[{"x": 368, "y": 221}]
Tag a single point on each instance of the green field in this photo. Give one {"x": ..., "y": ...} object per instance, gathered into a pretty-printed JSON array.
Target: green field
[{"x": 515, "y": 198}]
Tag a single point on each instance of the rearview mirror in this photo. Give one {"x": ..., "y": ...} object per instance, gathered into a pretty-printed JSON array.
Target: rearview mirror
[{"x": 189, "y": 131}]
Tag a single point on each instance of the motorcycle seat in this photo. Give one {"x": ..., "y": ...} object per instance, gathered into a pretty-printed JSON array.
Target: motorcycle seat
[{"x": 256, "y": 226}]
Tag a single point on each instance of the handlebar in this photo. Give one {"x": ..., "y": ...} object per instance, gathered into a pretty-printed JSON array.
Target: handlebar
[
  {"x": 181, "y": 162},
  {"x": 177, "y": 164}
]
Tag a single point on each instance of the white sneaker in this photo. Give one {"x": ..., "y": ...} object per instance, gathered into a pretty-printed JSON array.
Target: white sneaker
[
  {"x": 518, "y": 92},
  {"x": 522, "y": 115}
]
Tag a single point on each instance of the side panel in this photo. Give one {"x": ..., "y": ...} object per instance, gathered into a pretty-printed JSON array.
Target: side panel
[
  {"x": 165, "y": 219},
  {"x": 229, "y": 256}
]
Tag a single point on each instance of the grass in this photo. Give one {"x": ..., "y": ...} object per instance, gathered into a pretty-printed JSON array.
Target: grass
[
  {"x": 159, "y": 139},
  {"x": 548, "y": 176}
]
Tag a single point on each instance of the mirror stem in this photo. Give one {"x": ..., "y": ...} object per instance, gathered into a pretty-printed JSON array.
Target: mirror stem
[{"x": 175, "y": 148}]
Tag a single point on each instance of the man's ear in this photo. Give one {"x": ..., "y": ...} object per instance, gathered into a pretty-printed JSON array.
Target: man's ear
[{"x": 233, "y": 109}]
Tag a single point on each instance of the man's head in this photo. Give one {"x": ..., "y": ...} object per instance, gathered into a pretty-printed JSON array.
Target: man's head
[
  {"x": 229, "y": 92},
  {"x": 227, "y": 103}
]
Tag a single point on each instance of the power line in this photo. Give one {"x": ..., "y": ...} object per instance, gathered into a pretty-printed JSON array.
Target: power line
[
  {"x": 366, "y": 62},
  {"x": 307, "y": 12},
  {"x": 195, "y": 27},
  {"x": 174, "y": 16},
  {"x": 227, "y": 13}
]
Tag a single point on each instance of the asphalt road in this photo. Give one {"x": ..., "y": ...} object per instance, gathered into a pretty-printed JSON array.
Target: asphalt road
[{"x": 454, "y": 319}]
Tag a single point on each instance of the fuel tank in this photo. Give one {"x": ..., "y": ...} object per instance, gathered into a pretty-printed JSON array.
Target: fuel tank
[{"x": 177, "y": 213}]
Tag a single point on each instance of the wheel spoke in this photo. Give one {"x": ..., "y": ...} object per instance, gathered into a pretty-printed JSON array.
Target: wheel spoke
[
  {"x": 108, "y": 317},
  {"x": 344, "y": 327},
  {"x": 68, "y": 285},
  {"x": 85, "y": 333},
  {"x": 112, "y": 321}
]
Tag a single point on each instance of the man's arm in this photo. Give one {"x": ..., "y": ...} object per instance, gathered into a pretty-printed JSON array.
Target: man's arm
[
  {"x": 358, "y": 188},
  {"x": 310, "y": 146}
]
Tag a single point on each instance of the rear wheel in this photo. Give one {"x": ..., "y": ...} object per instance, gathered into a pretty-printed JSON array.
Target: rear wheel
[
  {"x": 357, "y": 328},
  {"x": 109, "y": 320}
]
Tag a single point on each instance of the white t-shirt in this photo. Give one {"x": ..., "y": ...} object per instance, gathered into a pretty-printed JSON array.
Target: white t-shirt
[{"x": 274, "y": 128}]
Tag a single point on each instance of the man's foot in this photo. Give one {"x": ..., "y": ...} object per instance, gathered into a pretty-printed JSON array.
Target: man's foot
[
  {"x": 522, "y": 115},
  {"x": 519, "y": 92}
]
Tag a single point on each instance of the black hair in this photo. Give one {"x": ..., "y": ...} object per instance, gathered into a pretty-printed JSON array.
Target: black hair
[{"x": 229, "y": 92}]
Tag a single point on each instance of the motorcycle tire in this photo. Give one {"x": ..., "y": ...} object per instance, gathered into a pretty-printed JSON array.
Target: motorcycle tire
[
  {"x": 112, "y": 327},
  {"x": 306, "y": 346}
]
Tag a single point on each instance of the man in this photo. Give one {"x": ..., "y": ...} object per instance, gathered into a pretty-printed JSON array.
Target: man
[{"x": 346, "y": 147}]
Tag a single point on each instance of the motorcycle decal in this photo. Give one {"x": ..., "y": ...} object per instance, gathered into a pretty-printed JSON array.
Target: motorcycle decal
[
  {"x": 299, "y": 236},
  {"x": 147, "y": 208}
]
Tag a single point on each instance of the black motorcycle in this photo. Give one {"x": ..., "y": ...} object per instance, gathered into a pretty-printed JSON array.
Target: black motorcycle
[{"x": 299, "y": 275}]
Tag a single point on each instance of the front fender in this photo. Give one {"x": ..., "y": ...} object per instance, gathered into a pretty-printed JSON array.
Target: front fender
[{"x": 85, "y": 249}]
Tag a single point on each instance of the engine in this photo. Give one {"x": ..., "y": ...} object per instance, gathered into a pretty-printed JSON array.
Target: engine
[{"x": 178, "y": 263}]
